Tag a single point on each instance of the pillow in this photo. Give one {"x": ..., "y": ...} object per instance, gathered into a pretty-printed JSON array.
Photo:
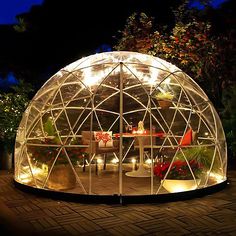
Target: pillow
[
  {"x": 187, "y": 138},
  {"x": 104, "y": 139}
]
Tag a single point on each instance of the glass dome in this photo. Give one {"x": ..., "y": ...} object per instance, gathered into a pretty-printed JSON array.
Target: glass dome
[{"x": 120, "y": 123}]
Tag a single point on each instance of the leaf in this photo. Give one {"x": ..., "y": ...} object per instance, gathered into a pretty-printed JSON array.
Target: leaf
[{"x": 203, "y": 155}]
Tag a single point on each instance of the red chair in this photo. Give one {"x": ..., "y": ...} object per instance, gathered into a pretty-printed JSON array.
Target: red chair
[{"x": 189, "y": 138}]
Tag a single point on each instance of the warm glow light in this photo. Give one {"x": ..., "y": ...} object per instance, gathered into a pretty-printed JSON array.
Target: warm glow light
[
  {"x": 114, "y": 161},
  {"x": 37, "y": 172},
  {"x": 178, "y": 188},
  {"x": 59, "y": 74},
  {"x": 139, "y": 132},
  {"x": 167, "y": 80},
  {"x": 44, "y": 168},
  {"x": 25, "y": 178},
  {"x": 175, "y": 186},
  {"x": 148, "y": 161},
  {"x": 99, "y": 161},
  {"x": 91, "y": 78},
  {"x": 217, "y": 177},
  {"x": 118, "y": 93},
  {"x": 151, "y": 77}
]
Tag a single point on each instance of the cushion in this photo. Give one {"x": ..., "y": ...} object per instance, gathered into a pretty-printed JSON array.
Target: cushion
[
  {"x": 103, "y": 138},
  {"x": 187, "y": 138}
]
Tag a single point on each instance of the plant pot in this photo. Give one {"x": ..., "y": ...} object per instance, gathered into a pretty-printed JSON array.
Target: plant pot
[
  {"x": 177, "y": 185},
  {"x": 164, "y": 104},
  {"x": 62, "y": 177}
]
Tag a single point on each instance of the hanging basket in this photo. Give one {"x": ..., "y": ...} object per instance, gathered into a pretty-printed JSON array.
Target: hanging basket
[{"x": 164, "y": 104}]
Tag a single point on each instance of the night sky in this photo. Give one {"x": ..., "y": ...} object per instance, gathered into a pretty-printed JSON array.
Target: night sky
[
  {"x": 61, "y": 32},
  {"x": 10, "y": 8}
]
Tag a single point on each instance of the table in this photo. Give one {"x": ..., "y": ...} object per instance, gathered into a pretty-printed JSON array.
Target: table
[{"x": 141, "y": 171}]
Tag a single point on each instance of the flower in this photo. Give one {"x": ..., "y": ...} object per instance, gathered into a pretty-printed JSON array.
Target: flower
[{"x": 178, "y": 170}]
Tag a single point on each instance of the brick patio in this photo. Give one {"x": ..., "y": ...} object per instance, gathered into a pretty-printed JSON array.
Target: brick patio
[{"x": 27, "y": 214}]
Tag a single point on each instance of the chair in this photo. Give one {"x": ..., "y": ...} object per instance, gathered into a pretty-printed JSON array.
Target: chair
[
  {"x": 189, "y": 138},
  {"x": 94, "y": 146}
]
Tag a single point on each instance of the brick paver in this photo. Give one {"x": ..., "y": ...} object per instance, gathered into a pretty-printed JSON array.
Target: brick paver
[{"x": 27, "y": 214}]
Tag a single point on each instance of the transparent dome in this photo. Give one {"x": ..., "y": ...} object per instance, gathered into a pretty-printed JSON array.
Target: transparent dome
[{"x": 120, "y": 123}]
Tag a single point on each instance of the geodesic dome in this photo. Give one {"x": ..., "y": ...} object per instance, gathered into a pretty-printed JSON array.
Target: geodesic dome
[{"x": 120, "y": 123}]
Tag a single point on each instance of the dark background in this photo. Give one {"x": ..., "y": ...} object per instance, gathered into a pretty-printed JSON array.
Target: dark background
[{"x": 59, "y": 32}]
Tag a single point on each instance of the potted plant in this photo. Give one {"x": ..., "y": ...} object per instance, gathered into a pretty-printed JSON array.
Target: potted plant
[
  {"x": 199, "y": 159},
  {"x": 164, "y": 99},
  {"x": 61, "y": 174},
  {"x": 202, "y": 155},
  {"x": 179, "y": 177}
]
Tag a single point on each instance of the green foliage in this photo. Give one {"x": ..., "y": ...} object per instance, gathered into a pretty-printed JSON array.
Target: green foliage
[
  {"x": 50, "y": 131},
  {"x": 49, "y": 127},
  {"x": 21, "y": 26},
  {"x": 137, "y": 34},
  {"x": 47, "y": 154},
  {"x": 202, "y": 155},
  {"x": 164, "y": 95},
  {"x": 191, "y": 45},
  {"x": 229, "y": 118},
  {"x": 198, "y": 158},
  {"x": 12, "y": 106}
]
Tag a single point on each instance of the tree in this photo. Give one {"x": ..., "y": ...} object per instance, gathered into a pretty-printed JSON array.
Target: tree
[
  {"x": 202, "y": 44},
  {"x": 137, "y": 34},
  {"x": 12, "y": 106},
  {"x": 192, "y": 45},
  {"x": 229, "y": 118}
]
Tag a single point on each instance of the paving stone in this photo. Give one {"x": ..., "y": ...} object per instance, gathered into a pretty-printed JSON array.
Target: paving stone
[{"x": 213, "y": 214}]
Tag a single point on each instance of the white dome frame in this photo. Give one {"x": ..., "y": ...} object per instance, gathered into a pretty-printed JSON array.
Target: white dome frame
[{"x": 119, "y": 87}]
